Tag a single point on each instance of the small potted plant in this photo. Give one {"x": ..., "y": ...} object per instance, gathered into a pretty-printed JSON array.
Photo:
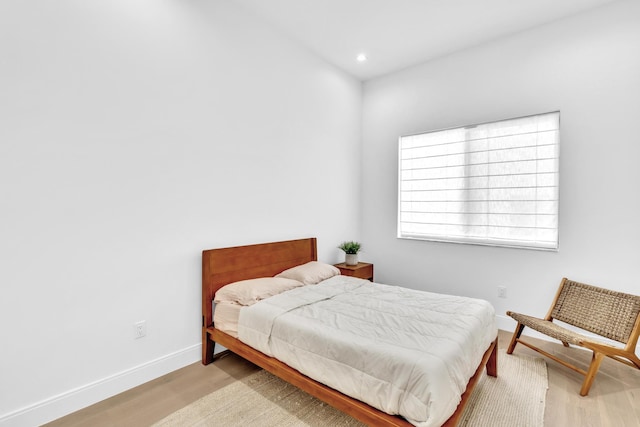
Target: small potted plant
[{"x": 351, "y": 250}]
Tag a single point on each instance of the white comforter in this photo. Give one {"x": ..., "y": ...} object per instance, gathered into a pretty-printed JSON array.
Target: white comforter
[{"x": 402, "y": 351}]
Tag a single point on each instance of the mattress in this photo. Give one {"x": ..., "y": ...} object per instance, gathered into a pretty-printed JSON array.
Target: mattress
[
  {"x": 225, "y": 317},
  {"x": 405, "y": 352}
]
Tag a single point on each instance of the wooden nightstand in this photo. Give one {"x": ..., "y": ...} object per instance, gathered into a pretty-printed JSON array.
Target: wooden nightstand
[{"x": 363, "y": 270}]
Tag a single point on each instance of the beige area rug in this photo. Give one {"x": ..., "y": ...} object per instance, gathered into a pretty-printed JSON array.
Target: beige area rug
[{"x": 515, "y": 398}]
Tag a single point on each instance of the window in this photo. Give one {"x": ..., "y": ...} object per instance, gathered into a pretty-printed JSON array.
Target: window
[{"x": 491, "y": 184}]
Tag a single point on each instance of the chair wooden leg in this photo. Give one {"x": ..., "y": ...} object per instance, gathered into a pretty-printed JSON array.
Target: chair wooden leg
[
  {"x": 634, "y": 359},
  {"x": 514, "y": 338},
  {"x": 596, "y": 359}
]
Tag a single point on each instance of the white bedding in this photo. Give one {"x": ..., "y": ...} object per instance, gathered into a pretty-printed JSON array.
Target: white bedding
[{"x": 402, "y": 351}]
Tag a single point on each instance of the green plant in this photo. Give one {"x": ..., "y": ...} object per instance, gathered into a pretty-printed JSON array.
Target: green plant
[{"x": 350, "y": 247}]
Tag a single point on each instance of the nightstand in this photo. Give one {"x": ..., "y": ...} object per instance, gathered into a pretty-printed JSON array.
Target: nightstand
[{"x": 363, "y": 270}]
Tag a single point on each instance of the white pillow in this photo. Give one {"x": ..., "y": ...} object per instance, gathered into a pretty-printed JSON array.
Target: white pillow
[
  {"x": 310, "y": 273},
  {"x": 248, "y": 292}
]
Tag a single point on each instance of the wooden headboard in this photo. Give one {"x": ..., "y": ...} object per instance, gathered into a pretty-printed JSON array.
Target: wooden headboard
[{"x": 227, "y": 265}]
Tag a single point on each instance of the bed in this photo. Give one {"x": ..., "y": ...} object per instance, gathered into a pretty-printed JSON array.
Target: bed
[{"x": 228, "y": 265}]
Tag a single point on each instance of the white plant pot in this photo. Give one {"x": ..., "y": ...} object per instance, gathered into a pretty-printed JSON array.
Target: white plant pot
[{"x": 351, "y": 259}]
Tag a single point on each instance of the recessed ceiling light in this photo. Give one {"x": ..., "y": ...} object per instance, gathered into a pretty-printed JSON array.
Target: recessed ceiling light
[{"x": 361, "y": 57}]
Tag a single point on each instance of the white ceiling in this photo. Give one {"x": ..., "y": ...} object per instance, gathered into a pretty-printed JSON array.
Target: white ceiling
[{"x": 397, "y": 34}]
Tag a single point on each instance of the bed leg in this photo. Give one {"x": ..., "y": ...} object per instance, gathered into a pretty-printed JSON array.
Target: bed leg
[
  {"x": 492, "y": 363},
  {"x": 208, "y": 346}
]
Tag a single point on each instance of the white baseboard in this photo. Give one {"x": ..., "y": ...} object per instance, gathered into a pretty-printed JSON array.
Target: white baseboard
[
  {"x": 505, "y": 323},
  {"x": 70, "y": 401}
]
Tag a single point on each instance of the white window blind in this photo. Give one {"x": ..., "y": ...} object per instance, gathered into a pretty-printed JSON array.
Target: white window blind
[{"x": 493, "y": 183}]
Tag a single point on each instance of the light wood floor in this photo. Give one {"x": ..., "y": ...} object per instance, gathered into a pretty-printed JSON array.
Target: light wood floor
[{"x": 614, "y": 399}]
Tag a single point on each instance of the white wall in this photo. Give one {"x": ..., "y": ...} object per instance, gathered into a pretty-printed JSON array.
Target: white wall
[
  {"x": 588, "y": 67},
  {"x": 133, "y": 135}
]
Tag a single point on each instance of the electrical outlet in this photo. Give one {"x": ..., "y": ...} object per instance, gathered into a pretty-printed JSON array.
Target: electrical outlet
[
  {"x": 502, "y": 292},
  {"x": 140, "y": 329}
]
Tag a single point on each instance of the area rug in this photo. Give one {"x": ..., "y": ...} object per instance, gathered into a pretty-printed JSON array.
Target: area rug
[{"x": 515, "y": 398}]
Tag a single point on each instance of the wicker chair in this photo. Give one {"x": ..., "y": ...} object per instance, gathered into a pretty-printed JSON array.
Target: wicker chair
[{"x": 610, "y": 314}]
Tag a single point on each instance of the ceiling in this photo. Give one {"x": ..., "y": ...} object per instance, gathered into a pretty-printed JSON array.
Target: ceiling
[{"x": 396, "y": 34}]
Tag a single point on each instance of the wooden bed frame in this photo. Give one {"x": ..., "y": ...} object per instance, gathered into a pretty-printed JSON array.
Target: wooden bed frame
[{"x": 223, "y": 266}]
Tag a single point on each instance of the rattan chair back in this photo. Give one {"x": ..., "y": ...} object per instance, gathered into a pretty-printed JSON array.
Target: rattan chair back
[{"x": 604, "y": 312}]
